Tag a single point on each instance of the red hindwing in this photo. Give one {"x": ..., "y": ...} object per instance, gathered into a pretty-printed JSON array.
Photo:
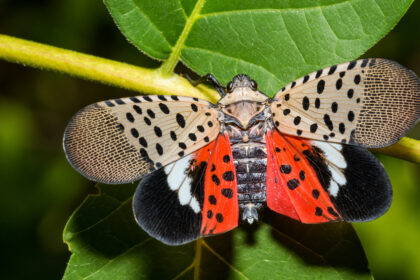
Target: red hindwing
[
  {"x": 293, "y": 188},
  {"x": 220, "y": 207}
]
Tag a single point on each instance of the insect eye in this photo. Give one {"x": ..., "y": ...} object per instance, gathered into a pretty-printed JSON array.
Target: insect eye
[
  {"x": 229, "y": 87},
  {"x": 254, "y": 85}
]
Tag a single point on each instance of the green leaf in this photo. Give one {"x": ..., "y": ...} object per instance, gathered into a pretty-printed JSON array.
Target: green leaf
[
  {"x": 108, "y": 244},
  {"x": 275, "y": 42}
]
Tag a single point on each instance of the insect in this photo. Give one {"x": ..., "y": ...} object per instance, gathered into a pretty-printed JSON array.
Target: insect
[{"x": 206, "y": 167}]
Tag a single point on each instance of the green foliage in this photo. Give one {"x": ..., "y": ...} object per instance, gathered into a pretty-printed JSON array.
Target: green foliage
[
  {"x": 274, "y": 43},
  {"x": 108, "y": 244}
]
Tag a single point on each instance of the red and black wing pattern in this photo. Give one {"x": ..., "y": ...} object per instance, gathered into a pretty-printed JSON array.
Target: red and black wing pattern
[
  {"x": 293, "y": 188},
  {"x": 220, "y": 210},
  {"x": 315, "y": 182},
  {"x": 191, "y": 197}
]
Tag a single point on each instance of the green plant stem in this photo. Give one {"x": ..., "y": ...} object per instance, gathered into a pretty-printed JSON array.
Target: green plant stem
[
  {"x": 136, "y": 78},
  {"x": 197, "y": 258},
  {"x": 99, "y": 69},
  {"x": 406, "y": 148}
]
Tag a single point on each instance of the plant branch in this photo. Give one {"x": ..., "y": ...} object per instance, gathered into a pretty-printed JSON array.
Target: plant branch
[
  {"x": 136, "y": 78},
  {"x": 406, "y": 148},
  {"x": 99, "y": 69}
]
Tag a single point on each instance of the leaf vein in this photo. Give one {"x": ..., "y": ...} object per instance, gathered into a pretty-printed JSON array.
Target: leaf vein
[
  {"x": 380, "y": 8},
  {"x": 293, "y": 40},
  {"x": 139, "y": 244},
  {"x": 150, "y": 21},
  {"x": 223, "y": 260},
  {"x": 105, "y": 217},
  {"x": 271, "y": 10},
  {"x": 304, "y": 247}
]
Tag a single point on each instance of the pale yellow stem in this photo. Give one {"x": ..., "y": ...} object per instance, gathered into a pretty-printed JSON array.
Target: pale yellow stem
[
  {"x": 99, "y": 69},
  {"x": 406, "y": 148}
]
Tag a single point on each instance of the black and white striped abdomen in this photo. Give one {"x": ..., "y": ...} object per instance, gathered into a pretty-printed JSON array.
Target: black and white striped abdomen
[{"x": 250, "y": 161}]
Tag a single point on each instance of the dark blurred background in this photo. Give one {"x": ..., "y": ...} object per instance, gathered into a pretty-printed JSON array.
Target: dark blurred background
[{"x": 39, "y": 190}]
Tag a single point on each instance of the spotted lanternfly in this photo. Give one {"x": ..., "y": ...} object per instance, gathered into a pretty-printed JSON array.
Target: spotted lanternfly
[{"x": 205, "y": 167}]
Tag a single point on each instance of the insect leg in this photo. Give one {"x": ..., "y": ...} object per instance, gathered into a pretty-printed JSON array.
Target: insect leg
[{"x": 207, "y": 78}]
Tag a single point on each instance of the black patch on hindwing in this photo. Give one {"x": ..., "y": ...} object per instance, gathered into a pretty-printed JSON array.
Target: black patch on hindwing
[
  {"x": 368, "y": 192},
  {"x": 159, "y": 213},
  {"x": 318, "y": 164}
]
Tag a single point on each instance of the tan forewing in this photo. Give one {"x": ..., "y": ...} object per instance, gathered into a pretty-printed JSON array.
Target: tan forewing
[
  {"x": 369, "y": 102},
  {"x": 121, "y": 140}
]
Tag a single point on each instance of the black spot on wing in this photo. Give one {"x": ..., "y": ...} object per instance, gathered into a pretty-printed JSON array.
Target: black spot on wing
[
  {"x": 317, "y": 103},
  {"x": 212, "y": 200},
  {"x": 135, "y": 99},
  {"x": 320, "y": 86},
  {"x": 364, "y": 63},
  {"x": 119, "y": 101},
  {"x": 215, "y": 179},
  {"x": 134, "y": 132},
  {"x": 158, "y": 131},
  {"x": 143, "y": 142},
  {"x": 194, "y": 107},
  {"x": 351, "y": 65},
  {"x": 228, "y": 193},
  {"x": 313, "y": 128},
  {"x": 151, "y": 113},
  {"x": 328, "y": 122},
  {"x": 129, "y": 117},
  {"x": 293, "y": 184},
  {"x": 164, "y": 108},
  {"x": 137, "y": 109},
  {"x": 173, "y": 135},
  {"x": 339, "y": 84},
  {"x": 180, "y": 120},
  {"x": 305, "y": 103},
  {"x": 226, "y": 158},
  {"x": 228, "y": 176},
  {"x": 350, "y": 93},
  {"x": 332, "y": 69},
  {"x": 285, "y": 169},
  {"x": 109, "y": 103}
]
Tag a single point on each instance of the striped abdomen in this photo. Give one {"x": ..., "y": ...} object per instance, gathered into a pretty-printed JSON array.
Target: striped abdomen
[{"x": 250, "y": 161}]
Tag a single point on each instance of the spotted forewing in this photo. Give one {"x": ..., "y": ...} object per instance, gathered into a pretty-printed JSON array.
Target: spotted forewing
[
  {"x": 121, "y": 140},
  {"x": 369, "y": 102}
]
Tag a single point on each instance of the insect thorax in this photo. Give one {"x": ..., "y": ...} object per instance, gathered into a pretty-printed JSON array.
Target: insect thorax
[{"x": 246, "y": 124}]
